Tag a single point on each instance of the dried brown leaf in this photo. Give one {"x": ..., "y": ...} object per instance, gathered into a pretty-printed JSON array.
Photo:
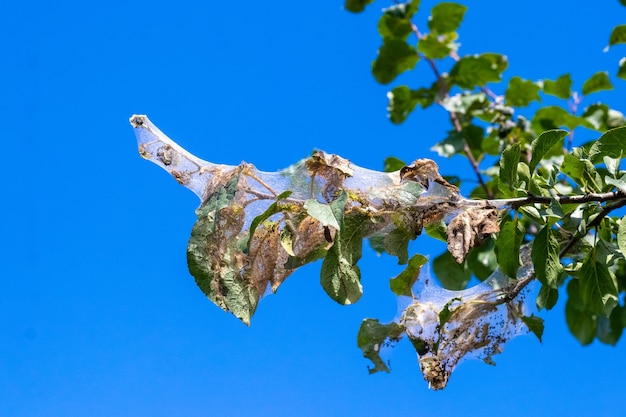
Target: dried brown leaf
[{"x": 471, "y": 228}]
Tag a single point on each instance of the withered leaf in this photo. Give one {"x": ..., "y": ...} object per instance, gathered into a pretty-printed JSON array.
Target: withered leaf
[
  {"x": 425, "y": 171},
  {"x": 471, "y": 228}
]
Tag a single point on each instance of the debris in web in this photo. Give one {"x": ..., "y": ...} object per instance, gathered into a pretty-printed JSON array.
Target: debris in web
[
  {"x": 448, "y": 327},
  {"x": 255, "y": 228}
]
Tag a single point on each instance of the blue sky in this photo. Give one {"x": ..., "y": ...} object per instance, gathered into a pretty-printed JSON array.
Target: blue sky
[{"x": 98, "y": 314}]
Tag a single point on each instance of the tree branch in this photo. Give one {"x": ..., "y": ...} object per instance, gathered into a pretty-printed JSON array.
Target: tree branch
[
  {"x": 595, "y": 222},
  {"x": 516, "y": 203}
]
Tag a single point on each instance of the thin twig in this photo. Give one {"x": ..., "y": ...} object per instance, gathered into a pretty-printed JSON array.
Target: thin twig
[
  {"x": 516, "y": 203},
  {"x": 454, "y": 118},
  {"x": 595, "y": 222}
]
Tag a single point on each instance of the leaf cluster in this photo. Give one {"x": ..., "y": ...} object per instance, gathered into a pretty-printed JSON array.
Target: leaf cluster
[{"x": 519, "y": 138}]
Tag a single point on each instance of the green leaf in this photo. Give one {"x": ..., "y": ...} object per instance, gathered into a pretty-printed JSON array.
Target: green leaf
[
  {"x": 450, "y": 274},
  {"x": 534, "y": 324},
  {"x": 553, "y": 117},
  {"x": 446, "y": 17},
  {"x": 598, "y": 115},
  {"x": 508, "y": 169},
  {"x": 621, "y": 72},
  {"x": 507, "y": 246},
  {"x": 340, "y": 279},
  {"x": 478, "y": 70},
  {"x": 561, "y": 87},
  {"x": 402, "y": 101},
  {"x": 351, "y": 236},
  {"x": 610, "y": 328},
  {"x": 612, "y": 143},
  {"x": 581, "y": 322},
  {"x": 619, "y": 183},
  {"x": 618, "y": 35},
  {"x": 432, "y": 47},
  {"x": 621, "y": 236},
  {"x": 465, "y": 103},
  {"x": 544, "y": 142},
  {"x": 372, "y": 337},
  {"x": 393, "y": 164},
  {"x": 322, "y": 212},
  {"x": 397, "y": 244},
  {"x": 394, "y": 23},
  {"x": 545, "y": 257},
  {"x": 340, "y": 276},
  {"x": 213, "y": 254},
  {"x": 598, "y": 288},
  {"x": 402, "y": 284},
  {"x": 520, "y": 93},
  {"x": 547, "y": 297},
  {"x": 482, "y": 261},
  {"x": 356, "y": 6},
  {"x": 597, "y": 82},
  {"x": 582, "y": 171},
  {"x": 394, "y": 57},
  {"x": 437, "y": 230},
  {"x": 445, "y": 313},
  {"x": 270, "y": 211}
]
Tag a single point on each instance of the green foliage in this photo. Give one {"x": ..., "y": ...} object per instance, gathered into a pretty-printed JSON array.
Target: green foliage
[
  {"x": 356, "y": 6},
  {"x": 597, "y": 82},
  {"x": 535, "y": 162},
  {"x": 403, "y": 283},
  {"x": 520, "y": 93},
  {"x": 446, "y": 18},
  {"x": 561, "y": 87},
  {"x": 478, "y": 70},
  {"x": 618, "y": 35}
]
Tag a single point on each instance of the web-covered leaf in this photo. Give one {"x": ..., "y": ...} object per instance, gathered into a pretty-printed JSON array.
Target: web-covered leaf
[{"x": 255, "y": 228}]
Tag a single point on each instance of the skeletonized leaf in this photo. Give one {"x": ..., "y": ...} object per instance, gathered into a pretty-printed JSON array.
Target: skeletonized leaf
[{"x": 371, "y": 338}]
